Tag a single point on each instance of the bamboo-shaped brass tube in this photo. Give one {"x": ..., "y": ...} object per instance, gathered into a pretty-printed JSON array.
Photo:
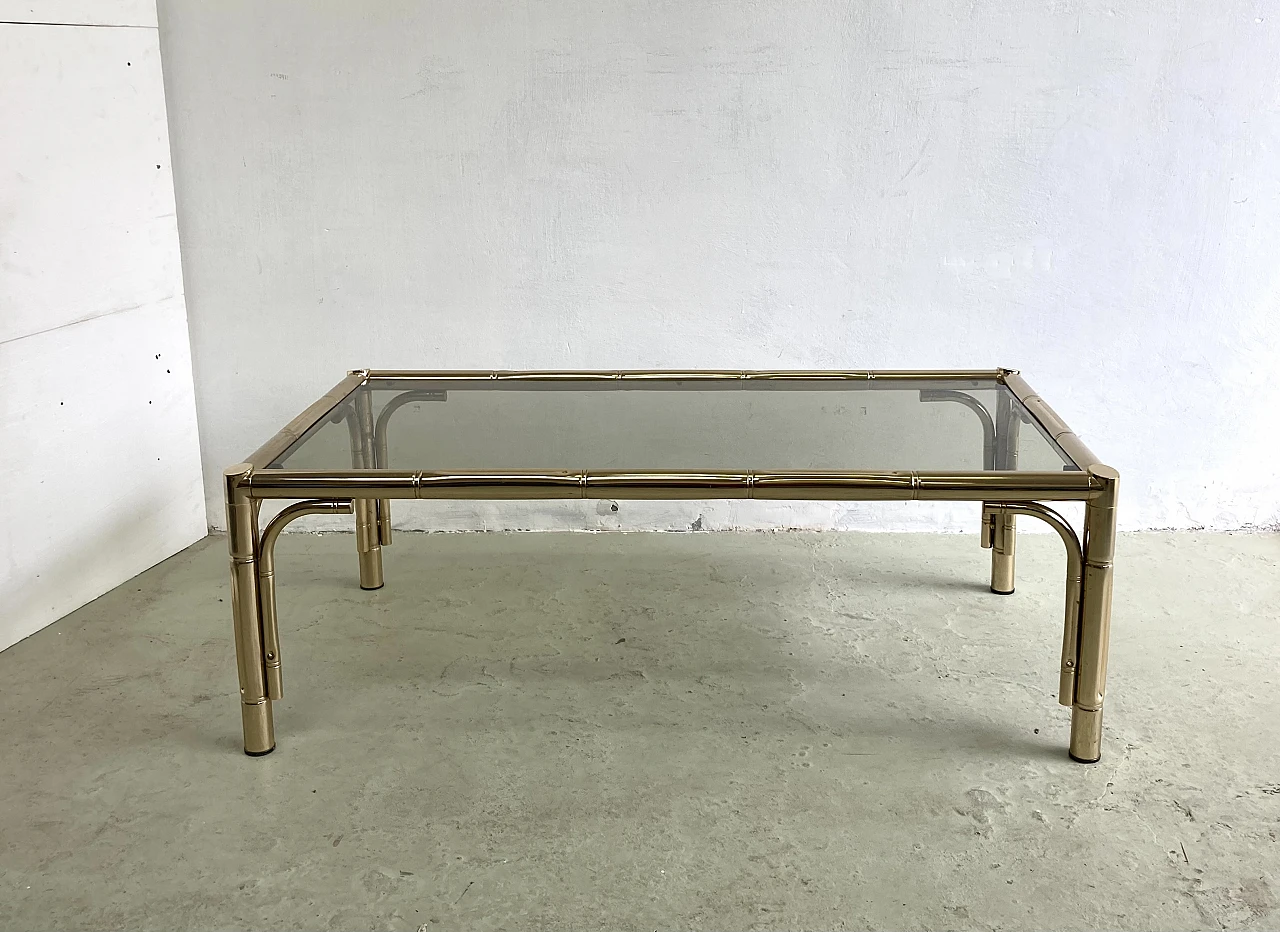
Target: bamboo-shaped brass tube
[
  {"x": 242, "y": 543},
  {"x": 808, "y": 486},
  {"x": 1053, "y": 425},
  {"x": 1004, "y": 534},
  {"x": 1095, "y": 618},
  {"x": 1075, "y": 560},
  {"x": 699, "y": 375},
  {"x": 1003, "y": 553},
  {"x": 288, "y": 435},
  {"x": 360, "y": 425},
  {"x": 267, "y": 584}
]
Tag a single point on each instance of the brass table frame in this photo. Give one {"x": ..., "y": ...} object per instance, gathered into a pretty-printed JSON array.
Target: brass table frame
[{"x": 367, "y": 489}]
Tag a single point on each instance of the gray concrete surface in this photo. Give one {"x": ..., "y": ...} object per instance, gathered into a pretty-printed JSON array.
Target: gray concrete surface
[{"x": 652, "y": 731}]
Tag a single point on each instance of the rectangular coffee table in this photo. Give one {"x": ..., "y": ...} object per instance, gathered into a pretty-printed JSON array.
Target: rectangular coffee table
[{"x": 980, "y": 436}]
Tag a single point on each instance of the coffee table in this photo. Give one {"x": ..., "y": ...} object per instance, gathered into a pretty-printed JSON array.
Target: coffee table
[{"x": 887, "y": 435}]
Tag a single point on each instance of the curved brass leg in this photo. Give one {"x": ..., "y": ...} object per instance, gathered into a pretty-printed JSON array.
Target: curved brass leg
[
  {"x": 1087, "y": 626},
  {"x": 380, "y": 457},
  {"x": 999, "y": 532},
  {"x": 978, "y": 408},
  {"x": 242, "y": 543},
  {"x": 1071, "y": 619},
  {"x": 267, "y": 583}
]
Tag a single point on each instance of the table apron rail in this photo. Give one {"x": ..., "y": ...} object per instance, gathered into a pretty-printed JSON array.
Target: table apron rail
[{"x": 889, "y": 486}]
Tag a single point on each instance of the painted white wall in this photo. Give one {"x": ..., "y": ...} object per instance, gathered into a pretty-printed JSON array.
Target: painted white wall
[
  {"x": 98, "y": 444},
  {"x": 1082, "y": 190}
]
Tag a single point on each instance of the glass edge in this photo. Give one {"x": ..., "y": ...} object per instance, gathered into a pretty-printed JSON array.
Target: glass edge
[
  {"x": 536, "y": 375},
  {"x": 286, "y": 442},
  {"x": 1016, "y": 478}
]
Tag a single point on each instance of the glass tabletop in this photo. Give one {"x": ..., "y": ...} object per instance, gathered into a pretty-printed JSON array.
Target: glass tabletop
[{"x": 680, "y": 425}]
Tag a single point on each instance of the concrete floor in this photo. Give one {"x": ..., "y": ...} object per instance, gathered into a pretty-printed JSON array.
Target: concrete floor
[{"x": 652, "y": 731}]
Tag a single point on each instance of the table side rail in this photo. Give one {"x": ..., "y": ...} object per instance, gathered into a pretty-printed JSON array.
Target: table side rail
[
  {"x": 801, "y": 486},
  {"x": 301, "y": 425},
  {"x": 1048, "y": 421},
  {"x": 697, "y": 375}
]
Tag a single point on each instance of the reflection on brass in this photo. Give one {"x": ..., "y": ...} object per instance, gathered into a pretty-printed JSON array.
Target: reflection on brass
[
  {"x": 1003, "y": 553},
  {"x": 991, "y": 512},
  {"x": 1086, "y": 735},
  {"x": 1095, "y": 617},
  {"x": 382, "y": 521},
  {"x": 267, "y": 583},
  {"x": 369, "y": 485}
]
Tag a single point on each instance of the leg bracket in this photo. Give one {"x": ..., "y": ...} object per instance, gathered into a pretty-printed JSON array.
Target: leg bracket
[
  {"x": 993, "y": 514},
  {"x": 267, "y": 583}
]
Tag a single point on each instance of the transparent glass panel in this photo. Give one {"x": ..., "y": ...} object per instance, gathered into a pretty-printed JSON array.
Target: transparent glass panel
[{"x": 734, "y": 425}]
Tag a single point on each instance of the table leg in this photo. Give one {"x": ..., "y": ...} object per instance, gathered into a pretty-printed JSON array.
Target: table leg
[
  {"x": 368, "y": 539},
  {"x": 242, "y": 542},
  {"x": 1095, "y": 619},
  {"x": 367, "y": 546},
  {"x": 1004, "y": 534},
  {"x": 1003, "y": 537}
]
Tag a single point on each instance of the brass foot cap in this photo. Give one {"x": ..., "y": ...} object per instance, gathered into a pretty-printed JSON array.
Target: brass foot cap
[
  {"x": 1081, "y": 760},
  {"x": 998, "y": 592},
  {"x": 372, "y": 588},
  {"x": 260, "y": 753}
]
